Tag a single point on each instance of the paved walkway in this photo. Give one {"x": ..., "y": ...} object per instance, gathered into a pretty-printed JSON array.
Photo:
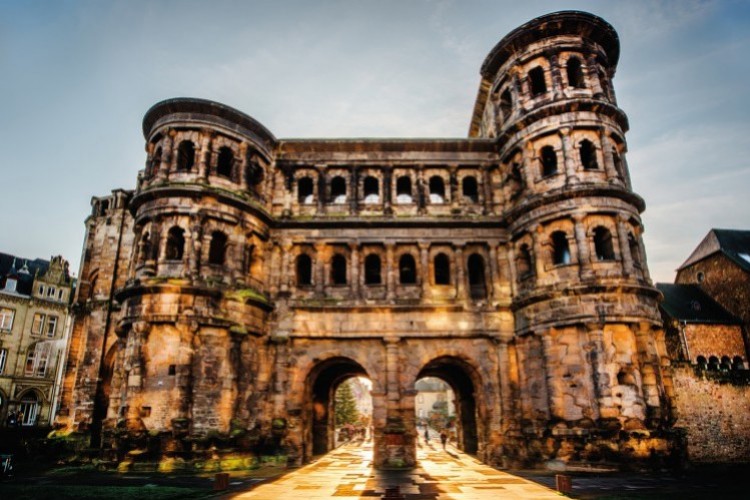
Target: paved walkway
[{"x": 347, "y": 473}]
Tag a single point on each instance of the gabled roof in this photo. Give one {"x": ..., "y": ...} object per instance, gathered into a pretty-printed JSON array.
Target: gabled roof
[
  {"x": 733, "y": 243},
  {"x": 25, "y": 280},
  {"x": 690, "y": 304}
]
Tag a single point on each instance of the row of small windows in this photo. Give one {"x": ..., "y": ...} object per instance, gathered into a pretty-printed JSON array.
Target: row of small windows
[
  {"x": 175, "y": 247},
  {"x": 407, "y": 271},
  {"x": 37, "y": 359},
  {"x": 586, "y": 154},
  {"x": 603, "y": 250},
  {"x": 713, "y": 363},
  {"x": 371, "y": 190},
  {"x": 573, "y": 71}
]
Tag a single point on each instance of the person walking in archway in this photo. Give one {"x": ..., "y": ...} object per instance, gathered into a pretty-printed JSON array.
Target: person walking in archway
[
  {"x": 426, "y": 434},
  {"x": 444, "y": 438}
]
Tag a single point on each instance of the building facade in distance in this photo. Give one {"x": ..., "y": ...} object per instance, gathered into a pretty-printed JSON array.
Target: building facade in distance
[
  {"x": 246, "y": 276},
  {"x": 34, "y": 298}
]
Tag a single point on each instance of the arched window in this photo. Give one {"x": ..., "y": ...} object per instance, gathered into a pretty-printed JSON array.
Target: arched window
[
  {"x": 737, "y": 363},
  {"x": 437, "y": 189},
  {"x": 371, "y": 190},
  {"x": 549, "y": 161},
  {"x": 372, "y": 270},
  {"x": 155, "y": 162},
  {"x": 338, "y": 190},
  {"x": 506, "y": 103},
  {"x": 305, "y": 190},
  {"x": 407, "y": 270},
  {"x": 175, "y": 248},
  {"x": 588, "y": 155},
  {"x": 701, "y": 362},
  {"x": 338, "y": 269},
  {"x": 603, "y": 244},
  {"x": 144, "y": 247},
  {"x": 617, "y": 159},
  {"x": 536, "y": 81},
  {"x": 403, "y": 189},
  {"x": 635, "y": 251},
  {"x": 185, "y": 156},
  {"x": 29, "y": 407},
  {"x": 560, "y": 248},
  {"x": 523, "y": 262},
  {"x": 224, "y": 163},
  {"x": 470, "y": 189},
  {"x": 304, "y": 270},
  {"x": 217, "y": 248},
  {"x": 726, "y": 363},
  {"x": 713, "y": 363},
  {"x": 476, "y": 276},
  {"x": 442, "y": 266},
  {"x": 575, "y": 74}
]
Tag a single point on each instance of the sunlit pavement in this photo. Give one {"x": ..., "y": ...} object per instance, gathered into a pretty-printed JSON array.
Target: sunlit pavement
[{"x": 347, "y": 473}]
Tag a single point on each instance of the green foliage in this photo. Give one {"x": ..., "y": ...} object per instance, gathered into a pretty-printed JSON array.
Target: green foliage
[{"x": 346, "y": 405}]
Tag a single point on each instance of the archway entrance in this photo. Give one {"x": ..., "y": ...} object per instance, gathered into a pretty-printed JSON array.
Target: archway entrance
[
  {"x": 323, "y": 383},
  {"x": 461, "y": 420}
]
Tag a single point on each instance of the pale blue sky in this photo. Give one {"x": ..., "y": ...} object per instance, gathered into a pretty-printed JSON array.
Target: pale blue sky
[{"x": 76, "y": 78}]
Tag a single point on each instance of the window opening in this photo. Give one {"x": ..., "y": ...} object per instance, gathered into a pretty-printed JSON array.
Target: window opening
[
  {"x": 338, "y": 270},
  {"x": 560, "y": 248},
  {"x": 442, "y": 269},
  {"x": 224, "y": 163},
  {"x": 304, "y": 270},
  {"x": 305, "y": 190},
  {"x": 588, "y": 155},
  {"x": 603, "y": 244},
  {"x": 476, "y": 276},
  {"x": 175, "y": 243},
  {"x": 51, "y": 326},
  {"x": 217, "y": 248},
  {"x": 29, "y": 408},
  {"x": 3, "y": 358},
  {"x": 506, "y": 103},
  {"x": 536, "y": 79},
  {"x": 635, "y": 252},
  {"x": 737, "y": 363},
  {"x": 575, "y": 73},
  {"x": 6, "y": 319},
  {"x": 372, "y": 270},
  {"x": 37, "y": 324},
  {"x": 549, "y": 161},
  {"x": 338, "y": 190},
  {"x": 403, "y": 190},
  {"x": 407, "y": 270},
  {"x": 371, "y": 190},
  {"x": 36, "y": 360},
  {"x": 155, "y": 161},
  {"x": 470, "y": 189},
  {"x": 437, "y": 189},
  {"x": 185, "y": 156}
]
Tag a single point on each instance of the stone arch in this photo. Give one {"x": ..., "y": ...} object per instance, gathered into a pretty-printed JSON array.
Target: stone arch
[{"x": 103, "y": 392}]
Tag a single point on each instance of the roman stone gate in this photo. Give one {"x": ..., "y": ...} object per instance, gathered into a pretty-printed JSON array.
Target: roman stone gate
[{"x": 247, "y": 276}]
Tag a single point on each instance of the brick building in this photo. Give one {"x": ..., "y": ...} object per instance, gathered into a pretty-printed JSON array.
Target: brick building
[{"x": 246, "y": 276}]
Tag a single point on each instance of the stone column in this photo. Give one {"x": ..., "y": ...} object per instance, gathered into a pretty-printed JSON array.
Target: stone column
[
  {"x": 387, "y": 190},
  {"x": 138, "y": 338},
  {"x": 460, "y": 265},
  {"x": 195, "y": 245},
  {"x": 527, "y": 169},
  {"x": 487, "y": 190},
  {"x": 582, "y": 244},
  {"x": 424, "y": 249},
  {"x": 322, "y": 183},
  {"x": 555, "y": 77},
  {"x": 392, "y": 375},
  {"x": 454, "y": 190},
  {"x": 166, "y": 155},
  {"x": 554, "y": 392},
  {"x": 649, "y": 369},
  {"x": 642, "y": 251},
  {"x": 353, "y": 191},
  {"x": 319, "y": 269},
  {"x": 286, "y": 272},
  {"x": 593, "y": 74},
  {"x": 390, "y": 292},
  {"x": 622, "y": 237},
  {"x": 204, "y": 155},
  {"x": 244, "y": 165},
  {"x": 609, "y": 160},
  {"x": 569, "y": 153},
  {"x": 354, "y": 273},
  {"x": 536, "y": 240},
  {"x": 422, "y": 191},
  {"x": 274, "y": 277},
  {"x": 494, "y": 271},
  {"x": 599, "y": 376},
  {"x": 184, "y": 376},
  {"x": 508, "y": 417}
]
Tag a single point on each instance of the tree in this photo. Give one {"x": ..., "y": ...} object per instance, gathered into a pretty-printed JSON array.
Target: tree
[{"x": 346, "y": 405}]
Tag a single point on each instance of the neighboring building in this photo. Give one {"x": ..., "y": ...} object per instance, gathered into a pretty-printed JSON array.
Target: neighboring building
[
  {"x": 720, "y": 266},
  {"x": 246, "y": 276},
  {"x": 34, "y": 297},
  {"x": 432, "y": 391}
]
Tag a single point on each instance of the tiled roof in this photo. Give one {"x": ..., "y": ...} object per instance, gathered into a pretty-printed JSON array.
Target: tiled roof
[
  {"x": 690, "y": 304},
  {"x": 733, "y": 243}
]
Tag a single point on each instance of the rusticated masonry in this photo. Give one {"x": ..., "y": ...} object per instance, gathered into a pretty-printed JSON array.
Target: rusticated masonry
[{"x": 254, "y": 274}]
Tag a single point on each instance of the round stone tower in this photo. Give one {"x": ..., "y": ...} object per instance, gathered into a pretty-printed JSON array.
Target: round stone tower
[
  {"x": 589, "y": 364},
  {"x": 195, "y": 303}
]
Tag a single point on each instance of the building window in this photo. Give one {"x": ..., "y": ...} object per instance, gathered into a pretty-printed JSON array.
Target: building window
[
  {"x": 549, "y": 161},
  {"x": 575, "y": 74},
  {"x": 588, "y": 155},
  {"x": 36, "y": 360},
  {"x": 338, "y": 270},
  {"x": 437, "y": 189},
  {"x": 371, "y": 190},
  {"x": 442, "y": 269},
  {"x": 41, "y": 291},
  {"x": 305, "y": 191},
  {"x": 217, "y": 249},
  {"x": 560, "y": 248},
  {"x": 304, "y": 270},
  {"x": 617, "y": 159},
  {"x": 372, "y": 270},
  {"x": 60, "y": 294},
  {"x": 338, "y": 190},
  {"x": 10, "y": 284},
  {"x": 506, "y": 103},
  {"x": 3, "y": 359},
  {"x": 172, "y": 370},
  {"x": 155, "y": 160},
  {"x": 51, "y": 291},
  {"x": 403, "y": 190},
  {"x": 51, "y": 326},
  {"x": 470, "y": 189},
  {"x": 225, "y": 162},
  {"x": 737, "y": 363},
  {"x": 407, "y": 270},
  {"x": 536, "y": 81},
  {"x": 175, "y": 243},
  {"x": 29, "y": 409},
  {"x": 603, "y": 244},
  {"x": 37, "y": 325},
  {"x": 635, "y": 251},
  {"x": 523, "y": 262},
  {"x": 185, "y": 156},
  {"x": 477, "y": 286},
  {"x": 6, "y": 319},
  {"x": 701, "y": 277}
]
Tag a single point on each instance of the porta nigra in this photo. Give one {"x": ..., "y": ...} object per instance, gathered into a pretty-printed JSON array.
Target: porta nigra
[{"x": 245, "y": 277}]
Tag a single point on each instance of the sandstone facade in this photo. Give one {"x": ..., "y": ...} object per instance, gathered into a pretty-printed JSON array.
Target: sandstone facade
[{"x": 247, "y": 276}]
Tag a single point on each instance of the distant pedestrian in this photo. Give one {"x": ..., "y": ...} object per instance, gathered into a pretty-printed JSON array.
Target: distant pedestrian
[
  {"x": 443, "y": 438},
  {"x": 426, "y": 433},
  {"x": 19, "y": 419}
]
